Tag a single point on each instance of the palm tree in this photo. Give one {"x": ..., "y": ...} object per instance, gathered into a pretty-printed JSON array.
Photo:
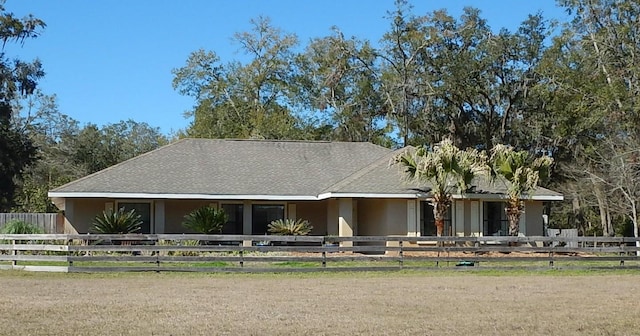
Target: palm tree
[
  {"x": 117, "y": 222},
  {"x": 205, "y": 220},
  {"x": 520, "y": 172},
  {"x": 446, "y": 169}
]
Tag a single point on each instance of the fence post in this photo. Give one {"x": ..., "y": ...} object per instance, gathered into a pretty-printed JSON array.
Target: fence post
[
  {"x": 242, "y": 254},
  {"x": 69, "y": 253},
  {"x": 324, "y": 258},
  {"x": 324, "y": 252},
  {"x": 156, "y": 243},
  {"x": 401, "y": 260},
  {"x": 14, "y": 253},
  {"x": 550, "y": 258}
]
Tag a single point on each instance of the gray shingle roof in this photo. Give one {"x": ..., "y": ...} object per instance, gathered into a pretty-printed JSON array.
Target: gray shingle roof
[
  {"x": 376, "y": 178},
  {"x": 233, "y": 167},
  {"x": 381, "y": 178},
  {"x": 260, "y": 168}
]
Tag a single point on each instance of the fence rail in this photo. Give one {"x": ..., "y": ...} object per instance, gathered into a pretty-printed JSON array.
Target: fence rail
[{"x": 240, "y": 253}]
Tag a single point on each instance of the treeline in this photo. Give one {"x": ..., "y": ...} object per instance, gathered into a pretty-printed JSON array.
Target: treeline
[
  {"x": 65, "y": 150},
  {"x": 564, "y": 89}
]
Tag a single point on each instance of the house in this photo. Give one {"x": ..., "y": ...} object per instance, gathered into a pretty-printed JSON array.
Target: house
[{"x": 342, "y": 188}]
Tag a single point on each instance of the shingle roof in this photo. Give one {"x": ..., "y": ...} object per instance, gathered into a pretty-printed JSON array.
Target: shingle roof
[
  {"x": 233, "y": 167},
  {"x": 381, "y": 178},
  {"x": 376, "y": 178},
  {"x": 260, "y": 168}
]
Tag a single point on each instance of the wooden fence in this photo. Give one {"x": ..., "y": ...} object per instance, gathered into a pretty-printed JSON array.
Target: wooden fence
[
  {"x": 238, "y": 253},
  {"x": 48, "y": 222}
]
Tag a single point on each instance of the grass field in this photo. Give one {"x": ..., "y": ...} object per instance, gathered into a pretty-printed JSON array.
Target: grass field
[{"x": 402, "y": 303}]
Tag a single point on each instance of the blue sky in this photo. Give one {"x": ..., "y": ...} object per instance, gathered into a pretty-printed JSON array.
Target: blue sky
[{"x": 111, "y": 60}]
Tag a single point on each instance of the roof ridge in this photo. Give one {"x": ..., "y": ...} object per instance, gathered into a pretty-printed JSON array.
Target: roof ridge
[
  {"x": 363, "y": 171},
  {"x": 119, "y": 164},
  {"x": 285, "y": 140}
]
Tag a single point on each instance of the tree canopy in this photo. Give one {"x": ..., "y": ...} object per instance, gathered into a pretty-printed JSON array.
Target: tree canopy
[{"x": 567, "y": 90}]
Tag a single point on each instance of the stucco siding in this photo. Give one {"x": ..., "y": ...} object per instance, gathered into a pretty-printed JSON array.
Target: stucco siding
[
  {"x": 396, "y": 217},
  {"x": 315, "y": 213},
  {"x": 380, "y": 217},
  {"x": 372, "y": 217},
  {"x": 533, "y": 217},
  {"x": 175, "y": 210},
  {"x": 83, "y": 213}
]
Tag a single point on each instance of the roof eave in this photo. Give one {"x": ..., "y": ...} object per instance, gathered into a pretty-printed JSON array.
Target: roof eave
[
  {"x": 117, "y": 195},
  {"x": 367, "y": 195}
]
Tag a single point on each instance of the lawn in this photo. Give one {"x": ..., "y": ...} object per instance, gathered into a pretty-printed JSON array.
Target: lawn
[{"x": 385, "y": 303}]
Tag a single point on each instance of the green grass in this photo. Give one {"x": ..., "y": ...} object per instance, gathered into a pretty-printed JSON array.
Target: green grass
[{"x": 344, "y": 261}]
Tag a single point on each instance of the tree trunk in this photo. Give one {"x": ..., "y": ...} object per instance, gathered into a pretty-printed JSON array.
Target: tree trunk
[
  {"x": 603, "y": 210},
  {"x": 513, "y": 211},
  {"x": 634, "y": 219},
  {"x": 439, "y": 213}
]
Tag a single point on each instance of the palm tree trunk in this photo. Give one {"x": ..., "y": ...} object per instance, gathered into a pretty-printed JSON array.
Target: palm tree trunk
[
  {"x": 439, "y": 213},
  {"x": 513, "y": 211}
]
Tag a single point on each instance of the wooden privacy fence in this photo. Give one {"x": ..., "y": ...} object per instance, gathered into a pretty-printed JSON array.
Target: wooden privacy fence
[
  {"x": 48, "y": 222},
  {"x": 239, "y": 253}
]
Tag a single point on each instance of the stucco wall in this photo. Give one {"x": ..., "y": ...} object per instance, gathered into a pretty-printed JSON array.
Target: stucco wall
[
  {"x": 315, "y": 213},
  {"x": 396, "y": 217},
  {"x": 175, "y": 210},
  {"x": 372, "y": 217},
  {"x": 380, "y": 217},
  {"x": 84, "y": 211},
  {"x": 533, "y": 217}
]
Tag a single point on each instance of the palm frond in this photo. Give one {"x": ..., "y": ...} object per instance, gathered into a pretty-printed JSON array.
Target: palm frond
[
  {"x": 117, "y": 222},
  {"x": 205, "y": 220},
  {"x": 290, "y": 227}
]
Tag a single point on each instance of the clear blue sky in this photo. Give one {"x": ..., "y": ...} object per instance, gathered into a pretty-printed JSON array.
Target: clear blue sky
[{"x": 111, "y": 60}]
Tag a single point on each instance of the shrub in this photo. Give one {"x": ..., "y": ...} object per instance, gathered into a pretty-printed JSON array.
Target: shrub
[
  {"x": 290, "y": 227},
  {"x": 20, "y": 227},
  {"x": 205, "y": 220},
  {"x": 117, "y": 222}
]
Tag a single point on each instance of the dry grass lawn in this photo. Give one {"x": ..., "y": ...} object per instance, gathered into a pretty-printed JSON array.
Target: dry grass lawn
[{"x": 417, "y": 303}]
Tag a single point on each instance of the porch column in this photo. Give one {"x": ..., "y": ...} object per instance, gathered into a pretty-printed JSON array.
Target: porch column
[
  {"x": 345, "y": 219},
  {"x": 291, "y": 211},
  {"x": 247, "y": 225},
  {"x": 332, "y": 217},
  {"x": 159, "y": 217},
  {"x": 522, "y": 225},
  {"x": 69, "y": 212},
  {"x": 412, "y": 218},
  {"x": 475, "y": 219},
  {"x": 458, "y": 219}
]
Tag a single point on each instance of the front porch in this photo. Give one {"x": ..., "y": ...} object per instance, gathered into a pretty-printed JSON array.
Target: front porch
[{"x": 344, "y": 217}]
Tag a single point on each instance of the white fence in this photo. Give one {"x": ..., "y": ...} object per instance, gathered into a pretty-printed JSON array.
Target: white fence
[{"x": 45, "y": 221}]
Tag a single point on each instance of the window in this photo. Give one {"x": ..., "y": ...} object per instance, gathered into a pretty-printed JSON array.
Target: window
[
  {"x": 142, "y": 209},
  {"x": 495, "y": 219},
  {"x": 428, "y": 222},
  {"x": 263, "y": 215},
  {"x": 234, "y": 222}
]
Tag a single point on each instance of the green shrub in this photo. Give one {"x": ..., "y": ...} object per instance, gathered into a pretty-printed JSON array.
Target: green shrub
[
  {"x": 20, "y": 227},
  {"x": 290, "y": 227},
  {"x": 205, "y": 220},
  {"x": 117, "y": 222}
]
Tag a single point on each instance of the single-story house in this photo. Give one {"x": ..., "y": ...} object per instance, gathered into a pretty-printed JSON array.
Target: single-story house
[{"x": 342, "y": 188}]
